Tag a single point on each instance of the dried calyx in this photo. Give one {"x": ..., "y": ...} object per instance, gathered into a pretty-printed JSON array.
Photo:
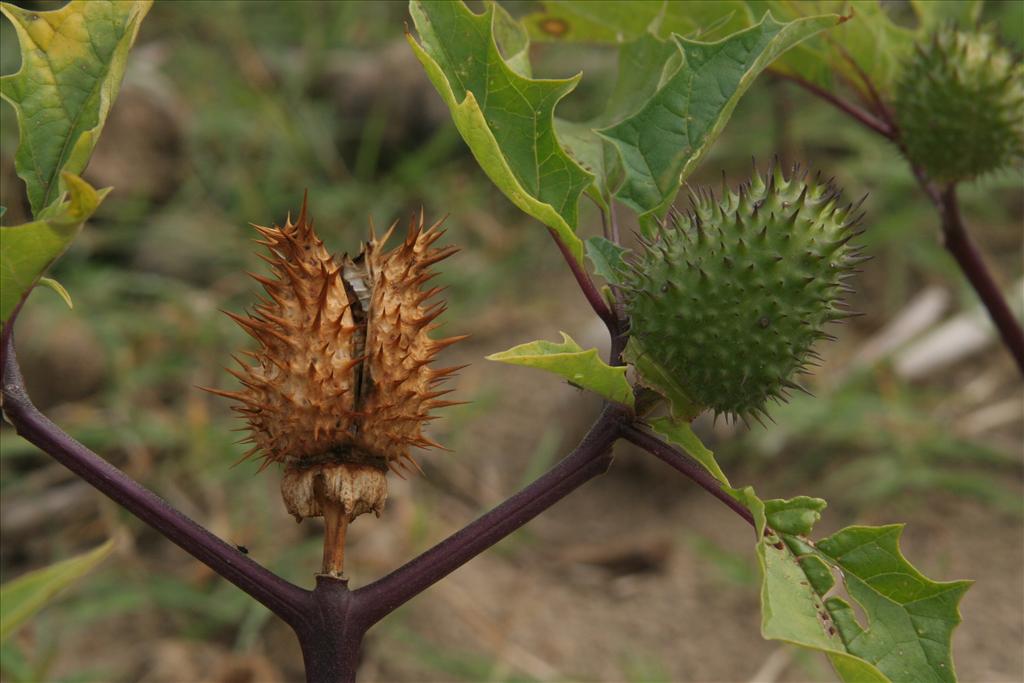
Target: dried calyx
[
  {"x": 341, "y": 384},
  {"x": 728, "y": 298}
]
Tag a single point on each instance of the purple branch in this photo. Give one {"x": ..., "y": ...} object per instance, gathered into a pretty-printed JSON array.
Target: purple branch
[
  {"x": 864, "y": 118},
  {"x": 587, "y": 286},
  {"x": 590, "y": 458},
  {"x": 955, "y": 235},
  {"x": 960, "y": 244},
  {"x": 281, "y": 597},
  {"x": 685, "y": 464}
]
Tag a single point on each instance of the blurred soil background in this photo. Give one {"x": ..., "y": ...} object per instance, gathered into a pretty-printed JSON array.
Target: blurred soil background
[{"x": 229, "y": 111}]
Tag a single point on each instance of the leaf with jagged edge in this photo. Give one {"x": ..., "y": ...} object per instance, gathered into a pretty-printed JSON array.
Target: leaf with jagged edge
[
  {"x": 28, "y": 250},
  {"x": 664, "y": 141},
  {"x": 504, "y": 117},
  {"x": 73, "y": 60},
  {"x": 513, "y": 41},
  {"x": 909, "y": 618},
  {"x": 643, "y": 64},
  {"x": 568, "y": 359},
  {"x": 22, "y": 597}
]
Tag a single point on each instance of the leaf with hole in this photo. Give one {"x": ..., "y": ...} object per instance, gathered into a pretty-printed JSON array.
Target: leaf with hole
[{"x": 852, "y": 596}]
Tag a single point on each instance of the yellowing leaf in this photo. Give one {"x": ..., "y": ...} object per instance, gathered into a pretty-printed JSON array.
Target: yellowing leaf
[
  {"x": 27, "y": 250},
  {"x": 27, "y": 594},
  {"x": 73, "y": 60},
  {"x": 569, "y": 360}
]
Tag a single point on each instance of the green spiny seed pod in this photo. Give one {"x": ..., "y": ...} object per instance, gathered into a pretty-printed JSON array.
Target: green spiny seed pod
[
  {"x": 728, "y": 298},
  {"x": 960, "y": 106}
]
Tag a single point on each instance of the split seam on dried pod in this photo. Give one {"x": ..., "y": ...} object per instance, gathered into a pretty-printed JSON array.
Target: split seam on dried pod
[{"x": 341, "y": 384}]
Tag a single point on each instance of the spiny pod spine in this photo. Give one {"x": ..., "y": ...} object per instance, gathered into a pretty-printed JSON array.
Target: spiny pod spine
[
  {"x": 959, "y": 103},
  {"x": 729, "y": 297},
  {"x": 342, "y": 383}
]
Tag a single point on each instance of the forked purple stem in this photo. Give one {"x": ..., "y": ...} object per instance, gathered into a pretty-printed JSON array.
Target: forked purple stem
[{"x": 330, "y": 621}]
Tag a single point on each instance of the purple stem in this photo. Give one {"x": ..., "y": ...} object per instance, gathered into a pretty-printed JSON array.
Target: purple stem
[
  {"x": 864, "y": 118},
  {"x": 587, "y": 286},
  {"x": 590, "y": 458},
  {"x": 279, "y": 596},
  {"x": 955, "y": 236},
  {"x": 685, "y": 464},
  {"x": 967, "y": 255}
]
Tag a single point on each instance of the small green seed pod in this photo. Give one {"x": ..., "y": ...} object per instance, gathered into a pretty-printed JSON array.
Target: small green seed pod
[
  {"x": 959, "y": 103},
  {"x": 729, "y": 297}
]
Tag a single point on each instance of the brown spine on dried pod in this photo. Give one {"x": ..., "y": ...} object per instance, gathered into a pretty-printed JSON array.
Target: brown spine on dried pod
[{"x": 341, "y": 383}]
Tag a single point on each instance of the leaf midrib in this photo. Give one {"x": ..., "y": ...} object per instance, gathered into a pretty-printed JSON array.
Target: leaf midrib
[{"x": 51, "y": 182}]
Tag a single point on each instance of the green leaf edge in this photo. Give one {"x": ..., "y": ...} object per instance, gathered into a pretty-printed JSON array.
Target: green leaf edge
[
  {"x": 59, "y": 289},
  {"x": 81, "y": 149},
  {"x": 469, "y": 120},
  {"x": 67, "y": 217},
  {"x": 529, "y": 353},
  {"x": 680, "y": 433},
  {"x": 61, "y": 574},
  {"x": 697, "y": 155},
  {"x": 849, "y": 667}
]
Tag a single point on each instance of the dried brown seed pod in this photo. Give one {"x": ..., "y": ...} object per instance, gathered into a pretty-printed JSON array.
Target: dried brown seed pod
[{"x": 341, "y": 383}]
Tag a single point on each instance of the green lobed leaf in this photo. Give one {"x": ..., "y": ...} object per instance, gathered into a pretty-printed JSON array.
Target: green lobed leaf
[
  {"x": 73, "y": 60},
  {"x": 27, "y": 594},
  {"x": 909, "y": 618},
  {"x": 28, "y": 250},
  {"x": 506, "y": 118},
  {"x": 608, "y": 258},
  {"x": 513, "y": 41},
  {"x": 664, "y": 141},
  {"x": 681, "y": 434},
  {"x": 644, "y": 63},
  {"x": 569, "y": 360}
]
